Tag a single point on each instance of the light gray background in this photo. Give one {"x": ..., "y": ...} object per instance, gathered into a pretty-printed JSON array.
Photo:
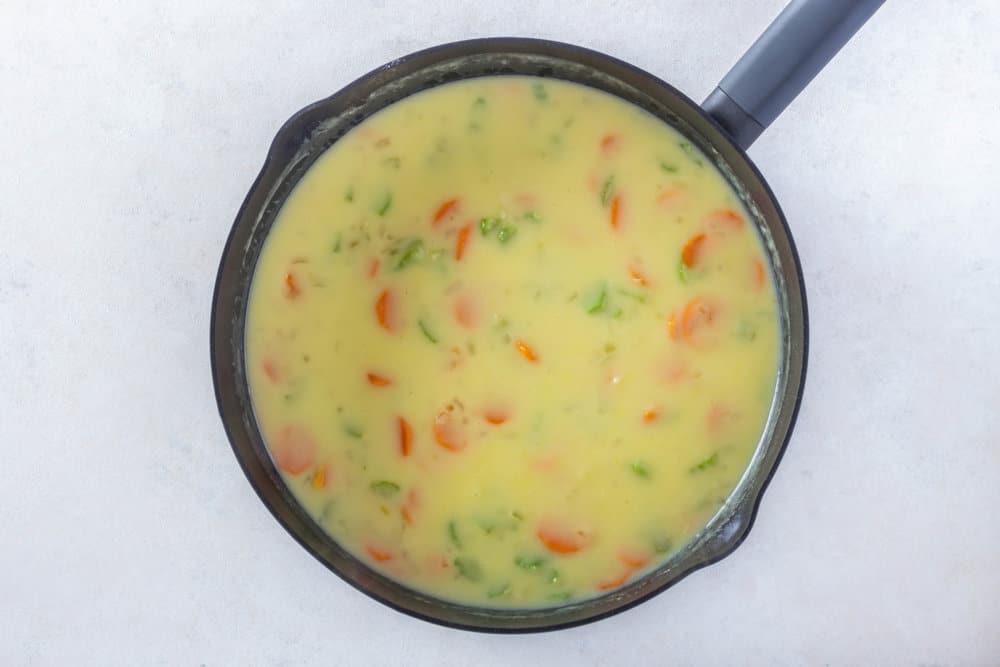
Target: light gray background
[{"x": 130, "y": 134}]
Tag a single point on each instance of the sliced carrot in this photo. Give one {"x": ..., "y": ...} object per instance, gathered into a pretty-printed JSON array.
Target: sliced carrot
[
  {"x": 723, "y": 221},
  {"x": 405, "y": 436},
  {"x": 609, "y": 143},
  {"x": 448, "y": 432},
  {"x": 718, "y": 418},
  {"x": 651, "y": 415},
  {"x": 674, "y": 326},
  {"x": 465, "y": 311},
  {"x": 271, "y": 371},
  {"x": 373, "y": 267},
  {"x": 633, "y": 558},
  {"x": 637, "y": 276},
  {"x": 378, "y": 555},
  {"x": 526, "y": 351},
  {"x": 385, "y": 311},
  {"x": 558, "y": 539},
  {"x": 376, "y": 380},
  {"x": 496, "y": 416},
  {"x": 693, "y": 250},
  {"x": 447, "y": 207},
  {"x": 670, "y": 197},
  {"x": 294, "y": 449},
  {"x": 698, "y": 314},
  {"x": 615, "y": 213},
  {"x": 462, "y": 241},
  {"x": 292, "y": 289},
  {"x": 319, "y": 477},
  {"x": 608, "y": 584},
  {"x": 759, "y": 276},
  {"x": 410, "y": 506}
]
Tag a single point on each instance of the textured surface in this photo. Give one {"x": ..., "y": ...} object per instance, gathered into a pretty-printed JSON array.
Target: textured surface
[{"x": 132, "y": 132}]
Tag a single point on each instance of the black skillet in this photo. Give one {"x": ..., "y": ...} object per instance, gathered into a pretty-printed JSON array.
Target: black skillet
[{"x": 803, "y": 38}]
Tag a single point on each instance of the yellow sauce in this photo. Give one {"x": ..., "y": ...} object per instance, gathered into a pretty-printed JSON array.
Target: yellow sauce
[{"x": 512, "y": 341}]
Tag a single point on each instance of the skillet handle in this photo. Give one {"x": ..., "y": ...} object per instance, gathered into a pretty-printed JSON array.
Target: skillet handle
[{"x": 794, "y": 48}]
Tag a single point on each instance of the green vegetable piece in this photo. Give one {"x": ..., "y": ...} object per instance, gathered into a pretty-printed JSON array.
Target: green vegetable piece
[
  {"x": 349, "y": 195},
  {"x": 607, "y": 189},
  {"x": 506, "y": 233},
  {"x": 453, "y": 534},
  {"x": 382, "y": 207},
  {"x": 480, "y": 102},
  {"x": 353, "y": 430},
  {"x": 682, "y": 272},
  {"x": 598, "y": 303},
  {"x": 337, "y": 244},
  {"x": 539, "y": 91},
  {"x": 385, "y": 488},
  {"x": 641, "y": 469},
  {"x": 499, "y": 591},
  {"x": 561, "y": 596},
  {"x": 711, "y": 461},
  {"x": 530, "y": 563},
  {"x": 669, "y": 168},
  {"x": 553, "y": 577},
  {"x": 746, "y": 331},
  {"x": 692, "y": 152},
  {"x": 412, "y": 252},
  {"x": 427, "y": 332},
  {"x": 469, "y": 568},
  {"x": 487, "y": 225},
  {"x": 532, "y": 216},
  {"x": 662, "y": 544}
]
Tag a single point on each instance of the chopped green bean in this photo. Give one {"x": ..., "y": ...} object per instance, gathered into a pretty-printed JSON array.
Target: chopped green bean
[
  {"x": 641, "y": 469},
  {"x": 384, "y": 204},
  {"x": 710, "y": 462},
  {"x": 606, "y": 189},
  {"x": 539, "y": 91},
  {"x": 530, "y": 563},
  {"x": 427, "y": 332},
  {"x": 692, "y": 152},
  {"x": 498, "y": 591},
  {"x": 453, "y": 534},
  {"x": 469, "y": 568},
  {"x": 412, "y": 252},
  {"x": 385, "y": 488},
  {"x": 506, "y": 233},
  {"x": 487, "y": 225}
]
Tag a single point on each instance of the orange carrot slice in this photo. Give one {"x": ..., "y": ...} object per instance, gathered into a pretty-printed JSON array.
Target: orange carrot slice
[
  {"x": 409, "y": 508},
  {"x": 462, "y": 241},
  {"x": 496, "y": 416},
  {"x": 609, "y": 143},
  {"x": 718, "y": 418},
  {"x": 376, "y": 380},
  {"x": 294, "y": 449},
  {"x": 444, "y": 210},
  {"x": 373, "y": 267},
  {"x": 651, "y": 415},
  {"x": 724, "y": 221},
  {"x": 448, "y": 433},
  {"x": 633, "y": 558},
  {"x": 385, "y": 311},
  {"x": 561, "y": 540},
  {"x": 615, "y": 212},
  {"x": 637, "y": 276},
  {"x": 698, "y": 314},
  {"x": 608, "y": 584},
  {"x": 405, "y": 436},
  {"x": 692, "y": 250},
  {"x": 271, "y": 371},
  {"x": 292, "y": 289},
  {"x": 526, "y": 351},
  {"x": 465, "y": 311},
  {"x": 319, "y": 477},
  {"x": 378, "y": 555},
  {"x": 759, "y": 276}
]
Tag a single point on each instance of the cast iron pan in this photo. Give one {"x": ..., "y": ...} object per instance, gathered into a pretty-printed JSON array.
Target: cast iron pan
[{"x": 776, "y": 68}]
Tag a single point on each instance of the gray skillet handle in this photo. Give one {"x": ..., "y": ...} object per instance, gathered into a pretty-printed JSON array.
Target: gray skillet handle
[{"x": 793, "y": 49}]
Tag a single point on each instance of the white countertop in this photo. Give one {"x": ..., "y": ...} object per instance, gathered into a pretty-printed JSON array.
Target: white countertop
[{"x": 131, "y": 134}]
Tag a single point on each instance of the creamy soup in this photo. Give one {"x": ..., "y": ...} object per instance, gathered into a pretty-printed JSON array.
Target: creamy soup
[{"x": 512, "y": 341}]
